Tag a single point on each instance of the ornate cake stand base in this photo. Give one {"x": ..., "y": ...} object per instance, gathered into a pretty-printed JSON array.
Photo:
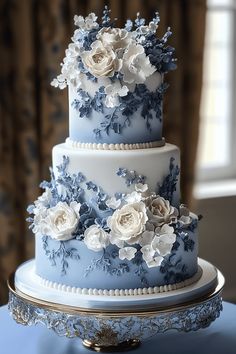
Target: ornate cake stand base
[
  {"x": 121, "y": 347},
  {"x": 119, "y": 329}
]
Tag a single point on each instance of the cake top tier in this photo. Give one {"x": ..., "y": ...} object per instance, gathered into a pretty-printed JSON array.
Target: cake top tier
[{"x": 115, "y": 79}]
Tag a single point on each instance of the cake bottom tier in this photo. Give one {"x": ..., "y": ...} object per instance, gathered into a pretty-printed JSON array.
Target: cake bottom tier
[
  {"x": 30, "y": 284},
  {"x": 71, "y": 263}
]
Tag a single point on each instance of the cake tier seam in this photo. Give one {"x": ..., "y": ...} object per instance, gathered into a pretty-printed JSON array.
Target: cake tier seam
[{"x": 104, "y": 146}]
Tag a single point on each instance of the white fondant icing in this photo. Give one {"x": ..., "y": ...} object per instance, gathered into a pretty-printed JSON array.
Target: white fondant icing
[
  {"x": 93, "y": 146},
  {"x": 101, "y": 166},
  {"x": 121, "y": 292}
]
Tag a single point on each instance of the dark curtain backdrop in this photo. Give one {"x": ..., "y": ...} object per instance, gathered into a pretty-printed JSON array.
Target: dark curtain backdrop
[{"x": 34, "y": 116}]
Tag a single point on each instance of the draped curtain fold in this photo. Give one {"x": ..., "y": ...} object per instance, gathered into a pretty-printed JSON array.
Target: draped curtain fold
[{"x": 34, "y": 116}]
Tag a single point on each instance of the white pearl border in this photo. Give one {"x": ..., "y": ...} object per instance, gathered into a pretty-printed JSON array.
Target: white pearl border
[
  {"x": 94, "y": 146},
  {"x": 121, "y": 292}
]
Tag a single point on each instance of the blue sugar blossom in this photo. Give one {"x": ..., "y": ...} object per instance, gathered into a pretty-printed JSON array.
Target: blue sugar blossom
[
  {"x": 139, "y": 21},
  {"x": 83, "y": 103},
  {"x": 168, "y": 186},
  {"x": 106, "y": 20},
  {"x": 129, "y": 25},
  {"x": 91, "y": 185},
  {"x": 130, "y": 177}
]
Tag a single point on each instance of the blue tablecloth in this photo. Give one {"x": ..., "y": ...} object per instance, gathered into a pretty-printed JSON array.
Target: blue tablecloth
[{"x": 219, "y": 338}]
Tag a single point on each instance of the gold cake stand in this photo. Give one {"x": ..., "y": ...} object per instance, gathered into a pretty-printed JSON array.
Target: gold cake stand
[{"x": 111, "y": 331}]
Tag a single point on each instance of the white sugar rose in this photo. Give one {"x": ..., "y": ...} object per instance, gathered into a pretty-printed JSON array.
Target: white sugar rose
[
  {"x": 160, "y": 211},
  {"x": 128, "y": 223},
  {"x": 62, "y": 220},
  {"x": 163, "y": 240},
  {"x": 100, "y": 60},
  {"x": 127, "y": 253},
  {"x": 95, "y": 238},
  {"x": 113, "y": 92},
  {"x": 136, "y": 65},
  {"x": 116, "y": 38}
]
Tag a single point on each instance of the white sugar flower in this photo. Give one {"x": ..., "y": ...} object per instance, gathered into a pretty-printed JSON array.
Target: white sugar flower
[
  {"x": 163, "y": 240},
  {"x": 40, "y": 225},
  {"x": 100, "y": 60},
  {"x": 88, "y": 23},
  {"x": 128, "y": 223},
  {"x": 133, "y": 197},
  {"x": 59, "y": 81},
  {"x": 95, "y": 238},
  {"x": 150, "y": 258},
  {"x": 185, "y": 218},
  {"x": 136, "y": 65},
  {"x": 113, "y": 203},
  {"x": 113, "y": 92},
  {"x": 148, "y": 253},
  {"x": 146, "y": 238},
  {"x": 70, "y": 72},
  {"x": 127, "y": 253},
  {"x": 160, "y": 211},
  {"x": 116, "y": 241},
  {"x": 141, "y": 188},
  {"x": 155, "y": 262},
  {"x": 62, "y": 220},
  {"x": 153, "y": 26},
  {"x": 116, "y": 38},
  {"x": 45, "y": 199}
]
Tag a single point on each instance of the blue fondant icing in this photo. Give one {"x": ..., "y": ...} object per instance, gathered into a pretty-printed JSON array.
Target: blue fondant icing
[
  {"x": 62, "y": 255},
  {"x": 118, "y": 119},
  {"x": 91, "y": 271},
  {"x": 82, "y": 130}
]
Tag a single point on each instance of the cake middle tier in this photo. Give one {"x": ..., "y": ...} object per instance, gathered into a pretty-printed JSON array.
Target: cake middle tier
[{"x": 117, "y": 171}]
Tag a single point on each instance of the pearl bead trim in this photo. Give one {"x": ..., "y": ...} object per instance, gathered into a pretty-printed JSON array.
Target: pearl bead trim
[
  {"x": 121, "y": 292},
  {"x": 94, "y": 146}
]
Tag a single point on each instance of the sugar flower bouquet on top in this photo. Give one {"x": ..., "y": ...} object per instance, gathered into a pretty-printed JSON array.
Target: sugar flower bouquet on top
[
  {"x": 140, "y": 223},
  {"x": 117, "y": 58}
]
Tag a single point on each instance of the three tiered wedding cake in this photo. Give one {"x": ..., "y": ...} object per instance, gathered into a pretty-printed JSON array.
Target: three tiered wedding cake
[{"x": 110, "y": 220}]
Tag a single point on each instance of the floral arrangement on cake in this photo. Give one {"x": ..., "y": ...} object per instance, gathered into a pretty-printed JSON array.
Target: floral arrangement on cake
[
  {"x": 118, "y": 59},
  {"x": 142, "y": 221}
]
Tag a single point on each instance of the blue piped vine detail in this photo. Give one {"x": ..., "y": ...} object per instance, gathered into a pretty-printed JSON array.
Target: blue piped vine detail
[
  {"x": 62, "y": 254},
  {"x": 183, "y": 235},
  {"x": 85, "y": 104},
  {"x": 106, "y": 264},
  {"x": 148, "y": 101},
  {"x": 173, "y": 269},
  {"x": 168, "y": 186}
]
